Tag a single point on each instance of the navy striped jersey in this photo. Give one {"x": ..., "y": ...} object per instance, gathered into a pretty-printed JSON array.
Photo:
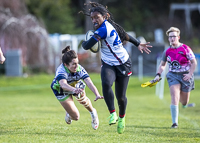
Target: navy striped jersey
[{"x": 63, "y": 73}]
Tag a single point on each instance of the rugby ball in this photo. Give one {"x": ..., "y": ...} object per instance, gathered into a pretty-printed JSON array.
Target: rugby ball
[{"x": 97, "y": 46}]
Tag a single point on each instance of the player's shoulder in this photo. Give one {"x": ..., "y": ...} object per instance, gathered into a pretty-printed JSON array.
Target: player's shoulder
[
  {"x": 167, "y": 49},
  {"x": 60, "y": 68},
  {"x": 101, "y": 29},
  {"x": 82, "y": 72},
  {"x": 185, "y": 46},
  {"x": 81, "y": 68},
  {"x": 105, "y": 26},
  {"x": 109, "y": 27}
]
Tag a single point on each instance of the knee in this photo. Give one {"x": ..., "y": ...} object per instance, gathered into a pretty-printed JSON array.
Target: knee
[
  {"x": 106, "y": 83},
  {"x": 122, "y": 99}
]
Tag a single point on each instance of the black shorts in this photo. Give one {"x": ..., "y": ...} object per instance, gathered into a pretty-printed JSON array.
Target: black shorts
[
  {"x": 125, "y": 69},
  {"x": 122, "y": 70}
]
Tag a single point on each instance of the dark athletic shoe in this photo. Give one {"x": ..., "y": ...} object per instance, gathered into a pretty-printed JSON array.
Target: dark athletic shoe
[{"x": 174, "y": 126}]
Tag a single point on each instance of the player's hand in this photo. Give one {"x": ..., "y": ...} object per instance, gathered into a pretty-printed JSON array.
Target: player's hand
[
  {"x": 77, "y": 90},
  {"x": 187, "y": 77},
  {"x": 157, "y": 78},
  {"x": 98, "y": 97},
  {"x": 144, "y": 47}
]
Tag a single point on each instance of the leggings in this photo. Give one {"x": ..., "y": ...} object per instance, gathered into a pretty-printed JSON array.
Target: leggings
[{"x": 109, "y": 75}]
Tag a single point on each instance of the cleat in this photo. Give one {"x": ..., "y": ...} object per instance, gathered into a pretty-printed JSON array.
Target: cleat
[
  {"x": 68, "y": 119},
  {"x": 189, "y": 105},
  {"x": 174, "y": 126},
  {"x": 113, "y": 118},
  {"x": 95, "y": 119},
  {"x": 121, "y": 125}
]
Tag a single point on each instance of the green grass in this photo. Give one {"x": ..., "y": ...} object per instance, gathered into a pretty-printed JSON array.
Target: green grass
[{"x": 29, "y": 112}]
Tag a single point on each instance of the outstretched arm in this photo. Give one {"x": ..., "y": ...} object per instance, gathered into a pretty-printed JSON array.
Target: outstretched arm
[
  {"x": 144, "y": 47},
  {"x": 93, "y": 88},
  {"x": 132, "y": 40},
  {"x": 141, "y": 46}
]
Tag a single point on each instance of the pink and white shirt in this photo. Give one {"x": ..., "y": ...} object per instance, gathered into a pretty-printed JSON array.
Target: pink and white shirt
[{"x": 178, "y": 58}]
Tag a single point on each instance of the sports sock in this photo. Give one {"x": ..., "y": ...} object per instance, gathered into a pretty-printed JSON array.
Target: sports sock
[
  {"x": 121, "y": 116},
  {"x": 174, "y": 113},
  {"x": 112, "y": 111}
]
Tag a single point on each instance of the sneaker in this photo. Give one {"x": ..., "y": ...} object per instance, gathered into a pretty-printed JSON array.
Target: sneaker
[
  {"x": 121, "y": 125},
  {"x": 68, "y": 119},
  {"x": 95, "y": 119},
  {"x": 113, "y": 118},
  {"x": 189, "y": 105},
  {"x": 174, "y": 126}
]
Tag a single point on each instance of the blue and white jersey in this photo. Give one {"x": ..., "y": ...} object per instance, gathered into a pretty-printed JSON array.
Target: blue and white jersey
[
  {"x": 112, "y": 51},
  {"x": 63, "y": 73}
]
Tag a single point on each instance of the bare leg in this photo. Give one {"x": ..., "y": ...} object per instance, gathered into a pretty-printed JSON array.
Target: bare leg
[
  {"x": 184, "y": 97},
  {"x": 175, "y": 94},
  {"x": 71, "y": 108},
  {"x": 85, "y": 101}
]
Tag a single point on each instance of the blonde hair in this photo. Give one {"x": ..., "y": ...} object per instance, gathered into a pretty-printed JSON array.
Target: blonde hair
[{"x": 173, "y": 29}]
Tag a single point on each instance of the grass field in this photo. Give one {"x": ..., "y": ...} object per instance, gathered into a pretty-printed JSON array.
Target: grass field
[{"x": 29, "y": 113}]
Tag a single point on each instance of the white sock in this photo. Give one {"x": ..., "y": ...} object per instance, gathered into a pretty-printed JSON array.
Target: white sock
[
  {"x": 92, "y": 112},
  {"x": 174, "y": 113}
]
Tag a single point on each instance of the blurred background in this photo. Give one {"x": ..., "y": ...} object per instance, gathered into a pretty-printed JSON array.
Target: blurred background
[{"x": 34, "y": 32}]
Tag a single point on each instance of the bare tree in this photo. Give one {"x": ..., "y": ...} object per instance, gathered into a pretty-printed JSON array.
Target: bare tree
[{"x": 20, "y": 30}]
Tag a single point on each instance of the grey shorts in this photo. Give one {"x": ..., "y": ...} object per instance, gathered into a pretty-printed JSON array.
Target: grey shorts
[{"x": 177, "y": 78}]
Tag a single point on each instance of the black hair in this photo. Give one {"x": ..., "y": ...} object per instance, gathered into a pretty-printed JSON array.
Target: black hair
[
  {"x": 68, "y": 55},
  {"x": 103, "y": 10}
]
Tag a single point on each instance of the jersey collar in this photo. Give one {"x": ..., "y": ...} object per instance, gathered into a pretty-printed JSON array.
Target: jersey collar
[{"x": 67, "y": 70}]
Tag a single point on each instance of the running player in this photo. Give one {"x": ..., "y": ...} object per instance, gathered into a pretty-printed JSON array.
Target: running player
[
  {"x": 180, "y": 77},
  {"x": 116, "y": 65},
  {"x": 68, "y": 84}
]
